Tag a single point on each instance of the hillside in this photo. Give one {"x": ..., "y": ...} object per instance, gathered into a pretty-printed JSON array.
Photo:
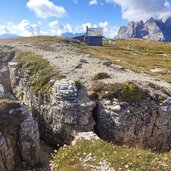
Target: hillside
[{"x": 119, "y": 92}]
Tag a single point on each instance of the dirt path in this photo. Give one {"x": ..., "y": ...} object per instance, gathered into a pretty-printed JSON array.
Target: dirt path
[{"x": 78, "y": 66}]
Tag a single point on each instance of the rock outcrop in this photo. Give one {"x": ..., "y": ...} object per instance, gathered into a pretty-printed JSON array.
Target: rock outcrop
[
  {"x": 60, "y": 114},
  {"x": 19, "y": 136},
  {"x": 145, "y": 123},
  {"x": 155, "y": 30},
  {"x": 29, "y": 141},
  {"x": 7, "y": 162}
]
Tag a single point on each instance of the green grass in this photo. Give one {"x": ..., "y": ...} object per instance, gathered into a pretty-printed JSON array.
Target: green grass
[
  {"x": 39, "y": 69},
  {"x": 100, "y": 76},
  {"x": 120, "y": 158},
  {"x": 128, "y": 91},
  {"x": 138, "y": 55}
]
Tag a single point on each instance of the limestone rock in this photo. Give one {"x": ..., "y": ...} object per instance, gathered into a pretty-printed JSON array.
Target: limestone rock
[
  {"x": 65, "y": 90},
  {"x": 6, "y": 155},
  {"x": 60, "y": 114},
  {"x": 29, "y": 141},
  {"x": 166, "y": 105},
  {"x": 88, "y": 136},
  {"x": 145, "y": 124},
  {"x": 4, "y": 94}
]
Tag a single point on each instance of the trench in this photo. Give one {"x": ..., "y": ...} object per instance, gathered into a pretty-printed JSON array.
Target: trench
[{"x": 45, "y": 149}]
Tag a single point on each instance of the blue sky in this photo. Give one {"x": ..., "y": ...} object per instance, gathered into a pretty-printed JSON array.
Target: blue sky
[{"x": 55, "y": 17}]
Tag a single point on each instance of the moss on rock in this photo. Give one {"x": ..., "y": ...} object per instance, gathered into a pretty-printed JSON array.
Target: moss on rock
[
  {"x": 86, "y": 155},
  {"x": 127, "y": 91},
  {"x": 39, "y": 70}
]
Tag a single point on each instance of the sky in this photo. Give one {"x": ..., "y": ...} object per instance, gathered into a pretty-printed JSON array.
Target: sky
[{"x": 56, "y": 17}]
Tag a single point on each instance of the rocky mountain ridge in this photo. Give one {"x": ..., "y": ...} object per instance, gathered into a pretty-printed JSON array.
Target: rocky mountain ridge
[{"x": 152, "y": 29}]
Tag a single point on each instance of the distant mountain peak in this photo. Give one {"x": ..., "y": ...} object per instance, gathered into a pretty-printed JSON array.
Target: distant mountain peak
[
  {"x": 152, "y": 29},
  {"x": 8, "y": 36},
  {"x": 71, "y": 35}
]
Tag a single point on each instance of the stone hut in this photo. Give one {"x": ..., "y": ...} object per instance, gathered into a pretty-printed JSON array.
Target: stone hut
[{"x": 93, "y": 36}]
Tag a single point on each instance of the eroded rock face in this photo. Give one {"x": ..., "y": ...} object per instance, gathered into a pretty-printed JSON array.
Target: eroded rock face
[
  {"x": 7, "y": 53},
  {"x": 4, "y": 94},
  {"x": 60, "y": 114},
  {"x": 29, "y": 141},
  {"x": 145, "y": 124},
  {"x": 15, "y": 118},
  {"x": 19, "y": 137},
  {"x": 6, "y": 154}
]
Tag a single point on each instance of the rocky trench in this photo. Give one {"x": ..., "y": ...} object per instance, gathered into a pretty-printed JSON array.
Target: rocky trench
[
  {"x": 63, "y": 113},
  {"x": 19, "y": 133}
]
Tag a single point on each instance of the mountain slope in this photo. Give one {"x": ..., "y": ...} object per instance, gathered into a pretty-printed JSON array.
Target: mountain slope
[
  {"x": 8, "y": 36},
  {"x": 155, "y": 30}
]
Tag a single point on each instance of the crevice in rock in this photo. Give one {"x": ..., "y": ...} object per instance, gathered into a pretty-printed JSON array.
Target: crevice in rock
[{"x": 95, "y": 117}]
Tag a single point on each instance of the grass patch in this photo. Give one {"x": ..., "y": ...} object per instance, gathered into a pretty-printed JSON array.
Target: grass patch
[
  {"x": 101, "y": 76},
  {"x": 120, "y": 158},
  {"x": 127, "y": 91},
  {"x": 43, "y": 39},
  {"x": 137, "y": 55},
  {"x": 39, "y": 70}
]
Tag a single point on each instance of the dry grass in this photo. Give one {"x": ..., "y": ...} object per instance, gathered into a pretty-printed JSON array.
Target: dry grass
[
  {"x": 138, "y": 55},
  {"x": 40, "y": 39},
  {"x": 40, "y": 71},
  {"x": 127, "y": 91},
  {"x": 100, "y": 76}
]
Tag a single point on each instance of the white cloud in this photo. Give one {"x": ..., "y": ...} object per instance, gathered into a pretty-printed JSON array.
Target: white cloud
[
  {"x": 24, "y": 28},
  {"x": 58, "y": 28},
  {"x": 45, "y": 8},
  {"x": 143, "y": 9},
  {"x": 93, "y": 2},
  {"x": 82, "y": 28},
  {"x": 109, "y": 31}
]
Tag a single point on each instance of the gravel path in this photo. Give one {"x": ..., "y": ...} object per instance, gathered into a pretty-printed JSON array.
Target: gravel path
[{"x": 79, "y": 66}]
